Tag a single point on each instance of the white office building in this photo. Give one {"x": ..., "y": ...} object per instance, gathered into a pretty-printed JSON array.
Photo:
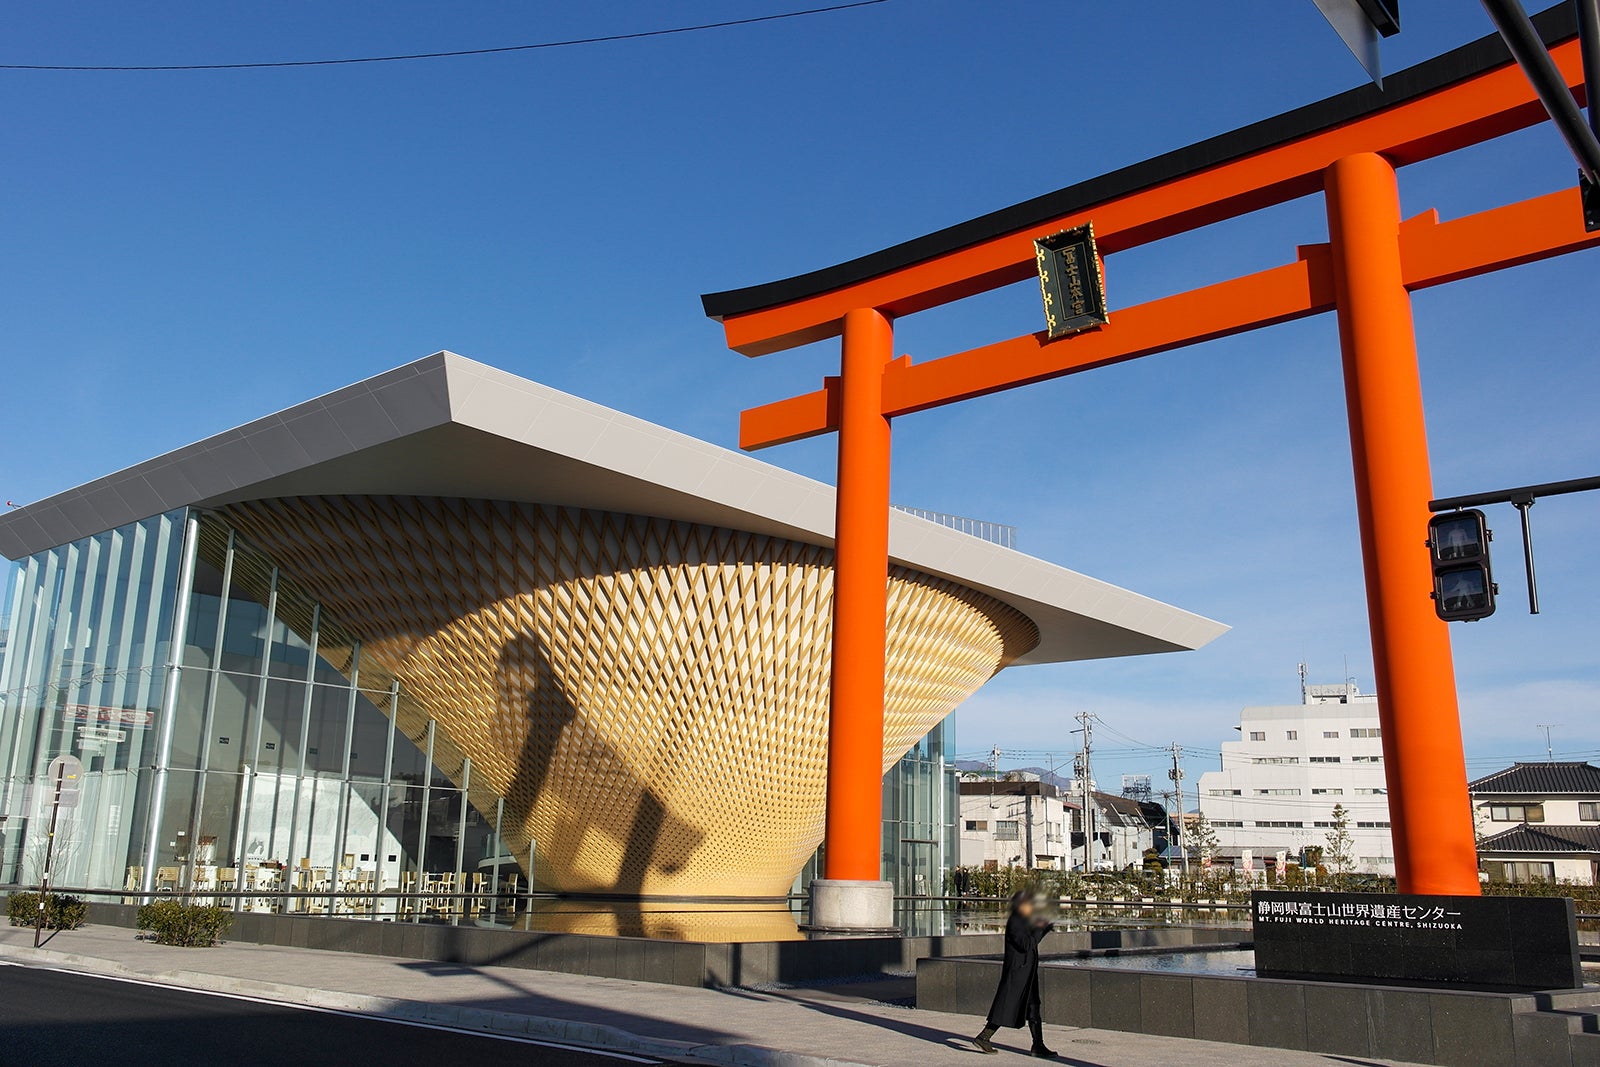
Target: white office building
[{"x": 1279, "y": 782}]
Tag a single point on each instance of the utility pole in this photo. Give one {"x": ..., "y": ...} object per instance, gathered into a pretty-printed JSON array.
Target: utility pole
[
  {"x": 1087, "y": 729},
  {"x": 1176, "y": 774},
  {"x": 994, "y": 763},
  {"x": 1549, "y": 749}
]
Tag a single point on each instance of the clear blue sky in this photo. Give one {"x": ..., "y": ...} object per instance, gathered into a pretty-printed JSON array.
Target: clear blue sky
[{"x": 184, "y": 252}]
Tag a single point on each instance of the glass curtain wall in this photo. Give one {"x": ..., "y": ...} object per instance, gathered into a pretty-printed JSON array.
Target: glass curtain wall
[
  {"x": 921, "y": 802},
  {"x": 87, "y": 647},
  {"x": 288, "y": 765},
  {"x": 919, "y": 811}
]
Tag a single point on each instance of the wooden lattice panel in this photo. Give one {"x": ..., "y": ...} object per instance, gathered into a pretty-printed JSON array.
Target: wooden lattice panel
[{"x": 649, "y": 697}]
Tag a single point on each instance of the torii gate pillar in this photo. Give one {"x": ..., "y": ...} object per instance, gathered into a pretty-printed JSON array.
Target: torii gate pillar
[{"x": 1434, "y": 844}]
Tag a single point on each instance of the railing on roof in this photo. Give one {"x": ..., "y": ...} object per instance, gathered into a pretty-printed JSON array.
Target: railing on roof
[{"x": 993, "y": 532}]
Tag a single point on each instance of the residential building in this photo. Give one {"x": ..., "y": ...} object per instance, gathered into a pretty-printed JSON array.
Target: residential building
[
  {"x": 1539, "y": 822},
  {"x": 1279, "y": 782},
  {"x": 1016, "y": 822},
  {"x": 1019, "y": 821},
  {"x": 449, "y": 616},
  {"x": 1122, "y": 830}
]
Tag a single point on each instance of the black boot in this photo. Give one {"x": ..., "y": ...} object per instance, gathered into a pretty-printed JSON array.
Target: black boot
[
  {"x": 982, "y": 1041},
  {"x": 1039, "y": 1048}
]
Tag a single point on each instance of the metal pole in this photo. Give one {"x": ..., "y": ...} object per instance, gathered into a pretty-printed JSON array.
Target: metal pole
[
  {"x": 461, "y": 833},
  {"x": 208, "y": 716},
  {"x": 530, "y": 880},
  {"x": 1589, "y": 44},
  {"x": 378, "y": 853},
  {"x": 169, "y": 702},
  {"x": 1511, "y": 496},
  {"x": 49, "y": 853},
  {"x": 1547, "y": 81},
  {"x": 1177, "y": 787},
  {"x": 427, "y": 796},
  {"x": 253, "y": 728},
  {"x": 342, "y": 816},
  {"x": 1522, "y": 507},
  {"x": 305, "y": 724},
  {"x": 499, "y": 847}
]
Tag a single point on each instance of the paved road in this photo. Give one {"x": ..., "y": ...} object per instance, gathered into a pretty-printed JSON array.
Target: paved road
[{"x": 54, "y": 1019}]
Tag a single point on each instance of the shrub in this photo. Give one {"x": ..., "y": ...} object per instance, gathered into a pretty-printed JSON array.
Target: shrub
[
  {"x": 60, "y": 912},
  {"x": 173, "y": 922}
]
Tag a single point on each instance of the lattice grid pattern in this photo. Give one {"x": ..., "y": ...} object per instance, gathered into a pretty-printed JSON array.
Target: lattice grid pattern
[{"x": 650, "y": 697}]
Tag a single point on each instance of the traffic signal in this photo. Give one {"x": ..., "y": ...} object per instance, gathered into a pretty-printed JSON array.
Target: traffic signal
[{"x": 1463, "y": 586}]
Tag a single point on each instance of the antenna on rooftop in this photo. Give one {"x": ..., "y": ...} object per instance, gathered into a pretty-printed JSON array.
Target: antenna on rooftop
[{"x": 1549, "y": 750}]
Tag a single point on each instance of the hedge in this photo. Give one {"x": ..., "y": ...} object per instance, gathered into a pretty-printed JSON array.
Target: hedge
[
  {"x": 60, "y": 912},
  {"x": 186, "y": 925}
]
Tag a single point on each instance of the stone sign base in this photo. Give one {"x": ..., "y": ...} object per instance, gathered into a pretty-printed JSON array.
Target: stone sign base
[
  {"x": 1449, "y": 1027},
  {"x": 1508, "y": 944}
]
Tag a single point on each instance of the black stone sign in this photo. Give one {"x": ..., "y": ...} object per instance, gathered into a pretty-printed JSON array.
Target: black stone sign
[
  {"x": 1070, "y": 279},
  {"x": 1488, "y": 943}
]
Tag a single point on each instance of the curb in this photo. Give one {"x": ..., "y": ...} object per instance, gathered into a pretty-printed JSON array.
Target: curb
[{"x": 593, "y": 1035}]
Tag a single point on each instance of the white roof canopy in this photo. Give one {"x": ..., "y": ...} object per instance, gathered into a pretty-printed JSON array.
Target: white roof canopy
[{"x": 448, "y": 426}]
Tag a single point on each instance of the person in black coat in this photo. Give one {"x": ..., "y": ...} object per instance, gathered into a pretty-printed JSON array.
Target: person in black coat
[{"x": 1017, "y": 999}]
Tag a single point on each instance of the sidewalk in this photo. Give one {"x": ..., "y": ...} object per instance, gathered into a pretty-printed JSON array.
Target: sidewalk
[{"x": 810, "y": 1027}]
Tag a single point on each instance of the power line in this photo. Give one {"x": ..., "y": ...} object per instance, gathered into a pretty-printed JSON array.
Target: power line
[{"x": 569, "y": 43}]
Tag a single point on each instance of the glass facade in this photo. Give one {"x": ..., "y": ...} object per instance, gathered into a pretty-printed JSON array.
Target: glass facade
[
  {"x": 233, "y": 741},
  {"x": 921, "y": 803},
  {"x": 920, "y": 806},
  {"x": 230, "y": 737}
]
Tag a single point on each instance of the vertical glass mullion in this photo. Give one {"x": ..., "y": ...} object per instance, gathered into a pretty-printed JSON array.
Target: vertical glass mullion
[
  {"x": 11, "y": 674},
  {"x": 342, "y": 816},
  {"x": 305, "y": 725},
  {"x": 253, "y": 730},
  {"x": 13, "y": 619},
  {"x": 461, "y": 834},
  {"x": 208, "y": 710},
  {"x": 427, "y": 790},
  {"x": 158, "y": 556},
  {"x": 27, "y": 597},
  {"x": 169, "y": 701},
  {"x": 51, "y": 684},
  {"x": 499, "y": 850},
  {"x": 135, "y": 544},
  {"x": 388, "y": 777},
  {"x": 75, "y": 673},
  {"x": 213, "y": 676}
]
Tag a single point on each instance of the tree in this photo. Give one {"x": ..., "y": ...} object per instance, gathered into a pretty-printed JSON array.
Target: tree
[
  {"x": 1340, "y": 841},
  {"x": 1201, "y": 839}
]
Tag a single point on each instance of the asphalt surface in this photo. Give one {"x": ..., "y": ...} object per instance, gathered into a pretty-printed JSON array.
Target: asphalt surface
[{"x": 55, "y": 1019}]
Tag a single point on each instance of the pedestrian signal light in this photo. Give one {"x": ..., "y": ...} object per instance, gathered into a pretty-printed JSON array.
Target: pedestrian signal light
[{"x": 1463, "y": 586}]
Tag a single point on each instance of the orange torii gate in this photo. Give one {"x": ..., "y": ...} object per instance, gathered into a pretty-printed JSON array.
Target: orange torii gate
[{"x": 1346, "y": 147}]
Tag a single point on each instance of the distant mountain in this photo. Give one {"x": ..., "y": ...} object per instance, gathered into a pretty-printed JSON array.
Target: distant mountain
[{"x": 1043, "y": 773}]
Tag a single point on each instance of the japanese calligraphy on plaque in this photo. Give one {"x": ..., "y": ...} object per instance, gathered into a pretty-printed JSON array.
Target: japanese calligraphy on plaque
[
  {"x": 1487, "y": 942},
  {"x": 1071, "y": 281}
]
